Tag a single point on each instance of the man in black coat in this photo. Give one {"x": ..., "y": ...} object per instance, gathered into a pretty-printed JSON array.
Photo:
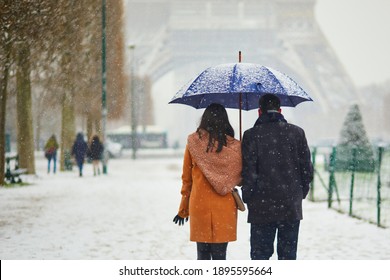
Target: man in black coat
[{"x": 276, "y": 174}]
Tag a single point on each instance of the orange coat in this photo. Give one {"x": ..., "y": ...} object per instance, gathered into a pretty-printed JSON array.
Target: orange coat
[{"x": 213, "y": 217}]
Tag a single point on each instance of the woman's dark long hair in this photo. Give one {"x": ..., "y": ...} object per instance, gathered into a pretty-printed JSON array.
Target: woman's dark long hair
[{"x": 216, "y": 122}]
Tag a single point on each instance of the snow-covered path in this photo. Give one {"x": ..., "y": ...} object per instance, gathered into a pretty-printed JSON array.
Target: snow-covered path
[{"x": 127, "y": 214}]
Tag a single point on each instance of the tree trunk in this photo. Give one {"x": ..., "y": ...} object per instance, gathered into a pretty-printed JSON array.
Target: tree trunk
[
  {"x": 68, "y": 130},
  {"x": 98, "y": 129},
  {"x": 3, "y": 106},
  {"x": 89, "y": 126},
  {"x": 25, "y": 140},
  {"x": 38, "y": 131}
]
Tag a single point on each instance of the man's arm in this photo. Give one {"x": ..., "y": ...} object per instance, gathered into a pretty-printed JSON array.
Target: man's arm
[{"x": 306, "y": 166}]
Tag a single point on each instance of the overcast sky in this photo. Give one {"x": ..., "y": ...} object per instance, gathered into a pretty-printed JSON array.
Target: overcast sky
[{"x": 359, "y": 31}]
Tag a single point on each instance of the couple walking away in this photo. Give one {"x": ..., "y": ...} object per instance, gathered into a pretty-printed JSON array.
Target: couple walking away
[
  {"x": 93, "y": 150},
  {"x": 273, "y": 166}
]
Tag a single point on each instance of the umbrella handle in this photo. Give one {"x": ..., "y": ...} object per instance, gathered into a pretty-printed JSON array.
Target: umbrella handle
[
  {"x": 240, "y": 115},
  {"x": 240, "y": 101}
]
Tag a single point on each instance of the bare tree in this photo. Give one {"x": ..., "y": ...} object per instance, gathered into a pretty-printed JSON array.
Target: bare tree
[
  {"x": 116, "y": 80},
  {"x": 55, "y": 48},
  {"x": 5, "y": 65},
  {"x": 24, "y": 23},
  {"x": 25, "y": 134}
]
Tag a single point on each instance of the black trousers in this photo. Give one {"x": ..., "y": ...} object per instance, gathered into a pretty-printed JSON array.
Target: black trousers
[
  {"x": 211, "y": 251},
  {"x": 263, "y": 236}
]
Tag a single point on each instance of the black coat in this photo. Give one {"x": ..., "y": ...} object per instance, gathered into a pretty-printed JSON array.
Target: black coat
[
  {"x": 277, "y": 170},
  {"x": 79, "y": 148},
  {"x": 95, "y": 150}
]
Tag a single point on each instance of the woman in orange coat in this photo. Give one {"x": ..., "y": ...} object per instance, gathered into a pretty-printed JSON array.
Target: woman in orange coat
[{"x": 211, "y": 169}]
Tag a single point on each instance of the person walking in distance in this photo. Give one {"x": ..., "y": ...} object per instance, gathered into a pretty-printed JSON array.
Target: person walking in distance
[
  {"x": 51, "y": 148},
  {"x": 95, "y": 152},
  {"x": 276, "y": 174},
  {"x": 79, "y": 150}
]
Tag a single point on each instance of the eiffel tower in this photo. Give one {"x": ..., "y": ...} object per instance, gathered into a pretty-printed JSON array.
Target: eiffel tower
[{"x": 185, "y": 37}]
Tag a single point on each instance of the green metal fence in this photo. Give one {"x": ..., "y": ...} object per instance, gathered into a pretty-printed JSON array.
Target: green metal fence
[{"x": 363, "y": 193}]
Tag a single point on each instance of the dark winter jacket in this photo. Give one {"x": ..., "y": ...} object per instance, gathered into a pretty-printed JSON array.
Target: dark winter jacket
[
  {"x": 95, "y": 149},
  {"x": 79, "y": 148},
  {"x": 277, "y": 170}
]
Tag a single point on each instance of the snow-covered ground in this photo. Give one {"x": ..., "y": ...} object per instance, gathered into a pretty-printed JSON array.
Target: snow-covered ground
[{"x": 127, "y": 215}]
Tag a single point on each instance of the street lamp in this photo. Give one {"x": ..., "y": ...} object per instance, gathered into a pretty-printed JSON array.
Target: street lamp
[
  {"x": 133, "y": 104},
  {"x": 104, "y": 88}
]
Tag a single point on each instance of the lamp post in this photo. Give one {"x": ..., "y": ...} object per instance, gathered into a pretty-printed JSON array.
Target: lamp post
[
  {"x": 133, "y": 104},
  {"x": 104, "y": 88}
]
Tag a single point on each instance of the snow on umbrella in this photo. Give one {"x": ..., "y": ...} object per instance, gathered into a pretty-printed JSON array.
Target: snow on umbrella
[
  {"x": 239, "y": 86},
  {"x": 226, "y": 84}
]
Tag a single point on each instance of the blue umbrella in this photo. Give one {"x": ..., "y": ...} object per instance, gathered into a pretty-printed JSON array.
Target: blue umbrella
[
  {"x": 227, "y": 83},
  {"x": 239, "y": 86}
]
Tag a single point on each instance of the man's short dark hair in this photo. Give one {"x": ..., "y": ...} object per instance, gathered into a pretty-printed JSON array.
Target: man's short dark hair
[{"x": 269, "y": 102}]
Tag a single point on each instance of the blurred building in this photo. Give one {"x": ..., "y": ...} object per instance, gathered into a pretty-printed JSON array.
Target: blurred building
[{"x": 176, "y": 39}]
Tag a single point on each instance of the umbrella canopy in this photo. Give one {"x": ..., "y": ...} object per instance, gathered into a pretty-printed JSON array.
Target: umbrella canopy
[{"x": 239, "y": 85}]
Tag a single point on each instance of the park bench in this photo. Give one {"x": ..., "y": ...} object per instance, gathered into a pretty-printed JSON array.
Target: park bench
[{"x": 13, "y": 175}]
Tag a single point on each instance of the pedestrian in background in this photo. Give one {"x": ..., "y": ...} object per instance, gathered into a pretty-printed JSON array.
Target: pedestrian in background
[
  {"x": 95, "y": 152},
  {"x": 79, "y": 150},
  {"x": 211, "y": 169},
  {"x": 276, "y": 174},
  {"x": 51, "y": 148}
]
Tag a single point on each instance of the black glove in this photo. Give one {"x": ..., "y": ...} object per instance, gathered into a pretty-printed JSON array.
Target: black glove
[{"x": 180, "y": 220}]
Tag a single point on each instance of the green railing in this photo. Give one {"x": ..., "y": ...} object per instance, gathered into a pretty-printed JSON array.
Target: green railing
[{"x": 354, "y": 184}]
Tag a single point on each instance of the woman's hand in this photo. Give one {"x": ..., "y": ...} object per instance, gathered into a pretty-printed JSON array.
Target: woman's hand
[{"x": 180, "y": 220}]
